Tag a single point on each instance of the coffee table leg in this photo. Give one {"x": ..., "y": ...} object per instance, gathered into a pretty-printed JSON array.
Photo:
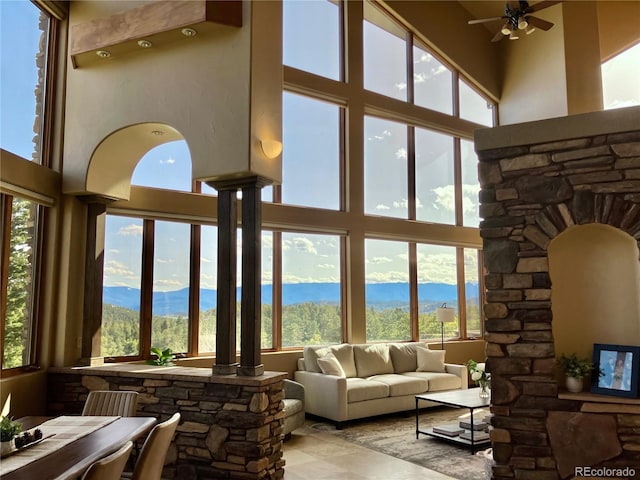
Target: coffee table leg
[{"x": 417, "y": 413}]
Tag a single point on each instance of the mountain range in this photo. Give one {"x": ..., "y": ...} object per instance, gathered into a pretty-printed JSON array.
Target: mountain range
[{"x": 379, "y": 295}]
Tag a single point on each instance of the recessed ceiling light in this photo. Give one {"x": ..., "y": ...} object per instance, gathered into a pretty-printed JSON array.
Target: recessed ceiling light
[
  {"x": 145, "y": 43},
  {"x": 157, "y": 133},
  {"x": 189, "y": 32},
  {"x": 103, "y": 53}
]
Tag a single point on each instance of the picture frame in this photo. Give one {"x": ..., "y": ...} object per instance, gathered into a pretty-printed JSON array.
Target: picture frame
[{"x": 617, "y": 370}]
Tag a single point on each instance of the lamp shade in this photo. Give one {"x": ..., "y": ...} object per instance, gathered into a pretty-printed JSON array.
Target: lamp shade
[{"x": 445, "y": 314}]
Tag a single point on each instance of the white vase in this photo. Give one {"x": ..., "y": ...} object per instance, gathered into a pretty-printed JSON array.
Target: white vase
[
  {"x": 574, "y": 384},
  {"x": 6, "y": 447}
]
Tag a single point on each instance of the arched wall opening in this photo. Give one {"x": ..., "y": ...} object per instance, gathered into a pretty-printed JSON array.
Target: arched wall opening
[{"x": 595, "y": 277}]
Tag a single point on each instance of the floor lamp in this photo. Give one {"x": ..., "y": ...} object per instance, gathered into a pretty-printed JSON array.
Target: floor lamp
[{"x": 444, "y": 315}]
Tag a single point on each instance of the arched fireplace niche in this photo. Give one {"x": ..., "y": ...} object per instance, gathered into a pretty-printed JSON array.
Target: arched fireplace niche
[{"x": 540, "y": 182}]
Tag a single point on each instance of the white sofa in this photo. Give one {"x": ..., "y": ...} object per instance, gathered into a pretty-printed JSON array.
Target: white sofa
[{"x": 349, "y": 381}]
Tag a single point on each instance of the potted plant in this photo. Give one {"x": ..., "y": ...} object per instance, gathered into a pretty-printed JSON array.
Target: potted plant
[
  {"x": 163, "y": 358},
  {"x": 8, "y": 430},
  {"x": 575, "y": 369}
]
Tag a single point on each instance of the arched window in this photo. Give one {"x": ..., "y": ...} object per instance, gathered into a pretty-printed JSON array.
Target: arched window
[{"x": 166, "y": 166}]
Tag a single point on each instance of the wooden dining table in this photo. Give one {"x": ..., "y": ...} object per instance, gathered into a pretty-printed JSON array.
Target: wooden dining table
[{"x": 73, "y": 459}]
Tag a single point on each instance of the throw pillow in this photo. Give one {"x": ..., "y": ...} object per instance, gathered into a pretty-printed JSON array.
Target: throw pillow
[
  {"x": 404, "y": 356},
  {"x": 330, "y": 365},
  {"x": 431, "y": 360},
  {"x": 311, "y": 354},
  {"x": 344, "y": 354}
]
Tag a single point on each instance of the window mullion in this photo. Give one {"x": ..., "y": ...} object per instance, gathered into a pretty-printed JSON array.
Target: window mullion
[
  {"x": 413, "y": 291},
  {"x": 193, "y": 329},
  {"x": 462, "y": 295},
  {"x": 146, "y": 288},
  {"x": 6, "y": 206}
]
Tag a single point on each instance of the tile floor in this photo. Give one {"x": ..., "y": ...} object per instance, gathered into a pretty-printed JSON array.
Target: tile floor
[{"x": 315, "y": 455}]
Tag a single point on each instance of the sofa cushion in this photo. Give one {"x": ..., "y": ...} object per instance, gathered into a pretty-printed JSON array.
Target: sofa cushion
[
  {"x": 330, "y": 365},
  {"x": 360, "y": 389},
  {"x": 372, "y": 359},
  {"x": 437, "y": 381},
  {"x": 404, "y": 356},
  {"x": 430, "y": 360},
  {"x": 344, "y": 354},
  {"x": 311, "y": 354},
  {"x": 400, "y": 385}
]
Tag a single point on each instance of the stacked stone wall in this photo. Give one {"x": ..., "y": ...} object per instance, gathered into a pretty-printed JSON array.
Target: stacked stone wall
[
  {"x": 529, "y": 195},
  {"x": 231, "y": 427}
]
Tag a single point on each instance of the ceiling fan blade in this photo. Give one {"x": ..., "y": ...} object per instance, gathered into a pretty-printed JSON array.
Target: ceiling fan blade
[
  {"x": 485, "y": 20},
  {"x": 538, "y": 22},
  {"x": 498, "y": 36},
  {"x": 544, "y": 4}
]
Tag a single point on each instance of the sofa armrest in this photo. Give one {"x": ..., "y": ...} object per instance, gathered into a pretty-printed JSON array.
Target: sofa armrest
[
  {"x": 325, "y": 395},
  {"x": 293, "y": 390},
  {"x": 460, "y": 371}
]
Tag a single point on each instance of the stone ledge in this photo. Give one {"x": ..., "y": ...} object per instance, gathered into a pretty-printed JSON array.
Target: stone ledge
[
  {"x": 595, "y": 398},
  {"x": 137, "y": 370}
]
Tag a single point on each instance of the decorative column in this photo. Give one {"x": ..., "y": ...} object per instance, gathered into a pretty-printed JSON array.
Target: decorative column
[
  {"x": 251, "y": 315},
  {"x": 93, "y": 278},
  {"x": 227, "y": 261}
]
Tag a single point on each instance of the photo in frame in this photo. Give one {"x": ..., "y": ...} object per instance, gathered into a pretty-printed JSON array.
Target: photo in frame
[{"x": 619, "y": 370}]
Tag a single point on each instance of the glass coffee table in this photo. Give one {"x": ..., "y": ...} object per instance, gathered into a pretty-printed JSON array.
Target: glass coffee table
[{"x": 460, "y": 435}]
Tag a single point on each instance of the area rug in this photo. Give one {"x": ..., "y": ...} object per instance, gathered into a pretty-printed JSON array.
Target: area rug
[{"x": 395, "y": 435}]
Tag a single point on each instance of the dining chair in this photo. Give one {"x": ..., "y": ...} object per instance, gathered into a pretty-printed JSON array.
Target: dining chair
[
  {"x": 121, "y": 403},
  {"x": 154, "y": 451},
  {"x": 110, "y": 467}
]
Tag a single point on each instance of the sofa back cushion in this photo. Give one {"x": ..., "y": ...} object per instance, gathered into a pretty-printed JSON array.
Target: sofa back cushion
[
  {"x": 431, "y": 360},
  {"x": 311, "y": 354},
  {"x": 404, "y": 356},
  {"x": 330, "y": 365},
  {"x": 343, "y": 353},
  {"x": 372, "y": 359}
]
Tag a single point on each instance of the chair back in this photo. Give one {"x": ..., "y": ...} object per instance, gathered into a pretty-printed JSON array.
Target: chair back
[
  {"x": 111, "y": 403},
  {"x": 110, "y": 467},
  {"x": 154, "y": 451}
]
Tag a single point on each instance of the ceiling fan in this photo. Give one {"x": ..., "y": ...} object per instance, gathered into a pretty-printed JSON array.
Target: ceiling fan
[{"x": 518, "y": 18}]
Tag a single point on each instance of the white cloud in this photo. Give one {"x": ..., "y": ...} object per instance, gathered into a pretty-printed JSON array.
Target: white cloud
[
  {"x": 404, "y": 203},
  {"x": 205, "y": 260},
  {"x": 445, "y": 198},
  {"x": 378, "y": 260},
  {"x": 327, "y": 266},
  {"x": 401, "y": 85},
  {"x": 168, "y": 161},
  {"x": 382, "y": 206},
  {"x": 162, "y": 260},
  {"x": 303, "y": 244},
  {"x": 167, "y": 283},
  {"x": 401, "y": 154},
  {"x": 291, "y": 278},
  {"x": 387, "y": 277},
  {"x": 437, "y": 268},
  {"x": 113, "y": 267},
  {"x": 267, "y": 241},
  {"x": 385, "y": 133},
  {"x": 132, "y": 230},
  {"x": 113, "y": 251}
]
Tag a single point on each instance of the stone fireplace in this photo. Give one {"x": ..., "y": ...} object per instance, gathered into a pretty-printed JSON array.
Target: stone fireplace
[{"x": 538, "y": 180}]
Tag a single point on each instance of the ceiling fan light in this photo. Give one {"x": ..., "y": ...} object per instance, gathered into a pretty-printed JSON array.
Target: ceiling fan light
[
  {"x": 529, "y": 30},
  {"x": 522, "y": 23},
  {"x": 513, "y": 35},
  {"x": 506, "y": 30}
]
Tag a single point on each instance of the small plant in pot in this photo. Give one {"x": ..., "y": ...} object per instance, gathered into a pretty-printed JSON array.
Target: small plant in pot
[
  {"x": 8, "y": 430},
  {"x": 575, "y": 369},
  {"x": 163, "y": 358}
]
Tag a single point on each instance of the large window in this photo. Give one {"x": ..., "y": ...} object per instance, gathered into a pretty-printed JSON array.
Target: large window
[
  {"x": 312, "y": 136},
  {"x": 620, "y": 84},
  {"x": 24, "y": 37},
  {"x": 20, "y": 253}
]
